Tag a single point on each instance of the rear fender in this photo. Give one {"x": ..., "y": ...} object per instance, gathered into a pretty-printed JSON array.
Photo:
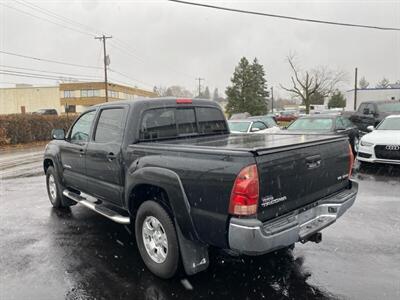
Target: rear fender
[{"x": 170, "y": 182}]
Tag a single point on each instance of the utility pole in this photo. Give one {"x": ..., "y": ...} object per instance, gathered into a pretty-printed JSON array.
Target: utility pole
[
  {"x": 106, "y": 61},
  {"x": 199, "y": 79},
  {"x": 272, "y": 99},
  {"x": 355, "y": 90}
]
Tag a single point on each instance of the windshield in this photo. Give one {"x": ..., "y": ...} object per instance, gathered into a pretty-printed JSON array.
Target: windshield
[
  {"x": 239, "y": 126},
  {"x": 389, "y": 107},
  {"x": 266, "y": 119},
  {"x": 322, "y": 124},
  {"x": 389, "y": 124}
]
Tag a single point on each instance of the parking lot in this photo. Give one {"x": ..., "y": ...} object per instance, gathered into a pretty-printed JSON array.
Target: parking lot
[{"x": 77, "y": 254}]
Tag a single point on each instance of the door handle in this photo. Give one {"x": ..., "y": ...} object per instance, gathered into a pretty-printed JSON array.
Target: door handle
[
  {"x": 110, "y": 156},
  {"x": 81, "y": 152}
]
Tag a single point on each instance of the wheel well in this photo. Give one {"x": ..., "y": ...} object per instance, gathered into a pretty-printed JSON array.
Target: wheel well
[
  {"x": 145, "y": 192},
  {"x": 47, "y": 163}
]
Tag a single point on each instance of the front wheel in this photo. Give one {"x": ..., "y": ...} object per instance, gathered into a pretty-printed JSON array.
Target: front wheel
[
  {"x": 156, "y": 239},
  {"x": 54, "y": 190}
]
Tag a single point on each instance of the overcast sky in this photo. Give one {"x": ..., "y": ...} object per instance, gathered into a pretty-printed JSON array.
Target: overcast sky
[{"x": 172, "y": 44}]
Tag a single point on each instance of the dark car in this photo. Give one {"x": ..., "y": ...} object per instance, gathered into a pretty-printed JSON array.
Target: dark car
[
  {"x": 46, "y": 112},
  {"x": 327, "y": 124},
  {"x": 371, "y": 113},
  {"x": 171, "y": 168}
]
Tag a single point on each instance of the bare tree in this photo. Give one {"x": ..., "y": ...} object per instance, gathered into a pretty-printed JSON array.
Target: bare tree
[
  {"x": 307, "y": 83},
  {"x": 383, "y": 84}
]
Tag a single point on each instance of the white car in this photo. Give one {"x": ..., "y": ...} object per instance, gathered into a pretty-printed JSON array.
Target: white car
[
  {"x": 251, "y": 126},
  {"x": 382, "y": 145}
]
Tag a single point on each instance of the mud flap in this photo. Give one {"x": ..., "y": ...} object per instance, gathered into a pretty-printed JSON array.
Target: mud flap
[{"x": 194, "y": 254}]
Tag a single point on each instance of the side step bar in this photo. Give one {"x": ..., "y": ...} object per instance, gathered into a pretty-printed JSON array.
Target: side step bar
[{"x": 104, "y": 211}]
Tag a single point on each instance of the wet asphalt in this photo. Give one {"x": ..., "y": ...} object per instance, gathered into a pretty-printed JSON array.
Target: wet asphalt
[{"x": 77, "y": 254}]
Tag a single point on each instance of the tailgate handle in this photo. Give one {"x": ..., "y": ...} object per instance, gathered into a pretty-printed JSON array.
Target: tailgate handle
[{"x": 313, "y": 161}]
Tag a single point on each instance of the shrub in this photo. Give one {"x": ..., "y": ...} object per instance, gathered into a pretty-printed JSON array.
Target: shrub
[{"x": 26, "y": 128}]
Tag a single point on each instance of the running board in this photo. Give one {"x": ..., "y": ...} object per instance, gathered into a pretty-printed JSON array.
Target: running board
[{"x": 104, "y": 211}]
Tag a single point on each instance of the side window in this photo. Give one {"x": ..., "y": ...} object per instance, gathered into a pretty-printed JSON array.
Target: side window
[
  {"x": 347, "y": 122},
  {"x": 371, "y": 109},
  {"x": 259, "y": 125},
  {"x": 110, "y": 126},
  {"x": 81, "y": 130},
  {"x": 340, "y": 124},
  {"x": 158, "y": 123},
  {"x": 211, "y": 120},
  {"x": 361, "y": 108},
  {"x": 186, "y": 121}
]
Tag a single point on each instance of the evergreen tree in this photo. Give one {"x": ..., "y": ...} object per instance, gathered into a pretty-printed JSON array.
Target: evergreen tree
[
  {"x": 206, "y": 93},
  {"x": 337, "y": 100},
  {"x": 248, "y": 91},
  {"x": 317, "y": 98},
  {"x": 215, "y": 94},
  {"x": 363, "y": 83}
]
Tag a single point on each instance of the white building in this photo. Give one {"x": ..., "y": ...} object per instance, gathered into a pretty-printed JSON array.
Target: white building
[{"x": 372, "y": 94}]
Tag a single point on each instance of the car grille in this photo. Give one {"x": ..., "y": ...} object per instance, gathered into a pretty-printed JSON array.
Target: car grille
[{"x": 387, "y": 152}]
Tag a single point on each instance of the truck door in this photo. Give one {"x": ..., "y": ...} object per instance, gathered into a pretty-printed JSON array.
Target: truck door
[
  {"x": 103, "y": 155},
  {"x": 73, "y": 151}
]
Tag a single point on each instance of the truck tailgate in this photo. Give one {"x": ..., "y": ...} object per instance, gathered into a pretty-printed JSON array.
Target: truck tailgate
[{"x": 293, "y": 178}]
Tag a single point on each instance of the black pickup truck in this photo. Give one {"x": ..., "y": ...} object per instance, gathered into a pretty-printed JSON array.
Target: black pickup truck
[
  {"x": 371, "y": 113},
  {"x": 171, "y": 168}
]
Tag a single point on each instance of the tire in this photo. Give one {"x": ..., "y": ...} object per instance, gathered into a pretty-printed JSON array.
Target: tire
[
  {"x": 157, "y": 240},
  {"x": 55, "y": 189}
]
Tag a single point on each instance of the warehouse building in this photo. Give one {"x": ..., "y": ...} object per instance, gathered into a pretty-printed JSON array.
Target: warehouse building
[
  {"x": 372, "y": 94},
  {"x": 71, "y": 97}
]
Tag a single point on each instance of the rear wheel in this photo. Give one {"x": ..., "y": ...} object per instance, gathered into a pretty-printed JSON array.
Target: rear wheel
[
  {"x": 54, "y": 190},
  {"x": 156, "y": 239}
]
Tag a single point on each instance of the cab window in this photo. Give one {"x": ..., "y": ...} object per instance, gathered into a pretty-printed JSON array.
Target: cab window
[{"x": 81, "y": 129}]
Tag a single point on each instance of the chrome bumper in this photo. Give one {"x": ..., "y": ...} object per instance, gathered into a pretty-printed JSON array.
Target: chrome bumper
[{"x": 252, "y": 237}]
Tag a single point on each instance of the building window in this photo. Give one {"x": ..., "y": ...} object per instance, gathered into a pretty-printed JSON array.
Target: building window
[
  {"x": 112, "y": 94},
  {"x": 68, "y": 94},
  {"x": 90, "y": 93}
]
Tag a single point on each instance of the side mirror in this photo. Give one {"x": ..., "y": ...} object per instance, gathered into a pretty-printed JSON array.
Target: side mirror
[
  {"x": 370, "y": 128},
  {"x": 58, "y": 134},
  {"x": 255, "y": 129},
  {"x": 366, "y": 111}
]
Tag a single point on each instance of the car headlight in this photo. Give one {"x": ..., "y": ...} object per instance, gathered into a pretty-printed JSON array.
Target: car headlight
[{"x": 366, "y": 144}]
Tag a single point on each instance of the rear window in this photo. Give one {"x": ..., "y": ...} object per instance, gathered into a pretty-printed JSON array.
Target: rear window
[
  {"x": 311, "y": 124},
  {"x": 211, "y": 120},
  {"x": 170, "y": 122}
]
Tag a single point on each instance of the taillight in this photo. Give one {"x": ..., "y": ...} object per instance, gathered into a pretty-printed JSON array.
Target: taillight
[
  {"x": 351, "y": 160},
  {"x": 245, "y": 192}
]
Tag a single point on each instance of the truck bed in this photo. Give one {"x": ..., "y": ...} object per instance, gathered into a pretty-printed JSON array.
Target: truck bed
[{"x": 258, "y": 144}]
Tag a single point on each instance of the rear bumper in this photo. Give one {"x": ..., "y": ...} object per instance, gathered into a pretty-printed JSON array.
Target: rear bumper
[{"x": 252, "y": 237}]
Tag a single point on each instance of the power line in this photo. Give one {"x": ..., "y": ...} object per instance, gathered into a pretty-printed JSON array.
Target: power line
[
  {"x": 118, "y": 44},
  {"x": 49, "y": 60},
  {"x": 39, "y": 76},
  {"x": 285, "y": 17},
  {"x": 57, "y": 16},
  {"x": 51, "y": 72},
  {"x": 44, "y": 19}
]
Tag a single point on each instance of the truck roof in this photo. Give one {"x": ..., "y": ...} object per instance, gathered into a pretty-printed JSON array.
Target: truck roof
[{"x": 161, "y": 102}]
